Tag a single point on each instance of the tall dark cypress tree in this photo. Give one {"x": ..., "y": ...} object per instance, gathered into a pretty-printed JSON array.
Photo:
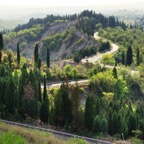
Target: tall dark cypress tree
[
  {"x": 18, "y": 54},
  {"x": 123, "y": 58},
  {"x": 9, "y": 59},
  {"x": 89, "y": 113},
  {"x": 44, "y": 90},
  {"x": 48, "y": 58},
  {"x": 39, "y": 92},
  {"x": 44, "y": 111},
  {"x": 115, "y": 72},
  {"x": 36, "y": 54},
  {"x": 138, "y": 57},
  {"x": 129, "y": 57},
  {"x": 0, "y": 56},
  {"x": 1, "y": 42}
]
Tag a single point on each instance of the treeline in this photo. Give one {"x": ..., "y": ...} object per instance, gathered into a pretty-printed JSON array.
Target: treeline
[
  {"x": 87, "y": 21},
  {"x": 130, "y": 42}
]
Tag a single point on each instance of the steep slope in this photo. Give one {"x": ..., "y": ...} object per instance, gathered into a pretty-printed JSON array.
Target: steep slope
[
  {"x": 62, "y": 34},
  {"x": 62, "y": 38}
]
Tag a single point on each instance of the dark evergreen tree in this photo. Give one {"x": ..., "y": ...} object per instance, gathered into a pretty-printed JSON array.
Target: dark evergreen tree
[
  {"x": 123, "y": 58},
  {"x": 0, "y": 56},
  {"x": 44, "y": 90},
  {"x": 89, "y": 113},
  {"x": 129, "y": 57},
  {"x": 115, "y": 72},
  {"x": 138, "y": 57},
  {"x": 18, "y": 54},
  {"x": 1, "y": 42},
  {"x": 9, "y": 59},
  {"x": 36, "y": 54},
  {"x": 44, "y": 111},
  {"x": 39, "y": 63},
  {"x": 39, "y": 92},
  {"x": 48, "y": 57}
]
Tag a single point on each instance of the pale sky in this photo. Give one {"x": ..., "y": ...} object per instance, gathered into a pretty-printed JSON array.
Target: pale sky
[{"x": 47, "y": 3}]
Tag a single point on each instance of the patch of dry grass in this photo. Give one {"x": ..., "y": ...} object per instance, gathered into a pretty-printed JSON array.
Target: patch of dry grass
[{"x": 33, "y": 136}]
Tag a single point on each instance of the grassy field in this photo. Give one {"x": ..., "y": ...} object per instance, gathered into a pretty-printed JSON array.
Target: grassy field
[{"x": 17, "y": 135}]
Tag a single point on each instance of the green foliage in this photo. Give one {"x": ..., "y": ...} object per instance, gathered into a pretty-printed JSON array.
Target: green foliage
[
  {"x": 129, "y": 56},
  {"x": 11, "y": 138},
  {"x": 36, "y": 56},
  {"x": 108, "y": 59}
]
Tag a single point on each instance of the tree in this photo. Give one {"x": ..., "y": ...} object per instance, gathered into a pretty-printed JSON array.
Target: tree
[
  {"x": 39, "y": 63},
  {"x": 9, "y": 59},
  {"x": 89, "y": 113},
  {"x": 18, "y": 54},
  {"x": 1, "y": 42},
  {"x": 115, "y": 72},
  {"x": 0, "y": 56},
  {"x": 36, "y": 54},
  {"x": 123, "y": 58},
  {"x": 129, "y": 57},
  {"x": 138, "y": 57},
  {"x": 48, "y": 58},
  {"x": 44, "y": 90},
  {"x": 39, "y": 92},
  {"x": 44, "y": 111}
]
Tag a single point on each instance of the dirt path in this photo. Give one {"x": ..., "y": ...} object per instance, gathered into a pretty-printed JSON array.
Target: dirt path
[{"x": 98, "y": 57}]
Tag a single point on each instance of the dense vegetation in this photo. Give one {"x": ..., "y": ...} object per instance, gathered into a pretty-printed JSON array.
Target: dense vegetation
[
  {"x": 110, "y": 104},
  {"x": 64, "y": 34},
  {"x": 127, "y": 39}
]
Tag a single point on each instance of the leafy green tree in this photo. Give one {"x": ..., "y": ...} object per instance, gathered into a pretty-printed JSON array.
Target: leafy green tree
[
  {"x": 129, "y": 57},
  {"x": 36, "y": 54},
  {"x": 9, "y": 59},
  {"x": 18, "y": 54},
  {"x": 48, "y": 57},
  {"x": 1, "y": 42}
]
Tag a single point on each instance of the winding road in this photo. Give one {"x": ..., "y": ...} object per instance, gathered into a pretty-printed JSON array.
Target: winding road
[{"x": 98, "y": 57}]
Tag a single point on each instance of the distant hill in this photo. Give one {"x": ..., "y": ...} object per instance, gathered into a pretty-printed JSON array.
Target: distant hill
[
  {"x": 10, "y": 24},
  {"x": 62, "y": 34}
]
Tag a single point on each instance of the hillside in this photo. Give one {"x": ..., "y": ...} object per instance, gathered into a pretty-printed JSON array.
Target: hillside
[
  {"x": 10, "y": 24},
  {"x": 63, "y": 35}
]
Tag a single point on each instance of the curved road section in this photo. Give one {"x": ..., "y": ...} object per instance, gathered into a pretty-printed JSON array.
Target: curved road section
[{"x": 98, "y": 57}]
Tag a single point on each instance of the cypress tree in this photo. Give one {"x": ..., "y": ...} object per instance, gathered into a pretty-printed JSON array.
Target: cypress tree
[
  {"x": 0, "y": 56},
  {"x": 138, "y": 57},
  {"x": 48, "y": 58},
  {"x": 44, "y": 90},
  {"x": 9, "y": 59},
  {"x": 36, "y": 54},
  {"x": 123, "y": 58},
  {"x": 39, "y": 63},
  {"x": 114, "y": 72},
  {"x": 18, "y": 54},
  {"x": 129, "y": 57},
  {"x": 89, "y": 113},
  {"x": 39, "y": 92},
  {"x": 1, "y": 42},
  {"x": 44, "y": 111}
]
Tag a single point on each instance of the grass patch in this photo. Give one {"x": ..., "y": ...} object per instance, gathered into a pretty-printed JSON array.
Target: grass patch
[{"x": 17, "y": 135}]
